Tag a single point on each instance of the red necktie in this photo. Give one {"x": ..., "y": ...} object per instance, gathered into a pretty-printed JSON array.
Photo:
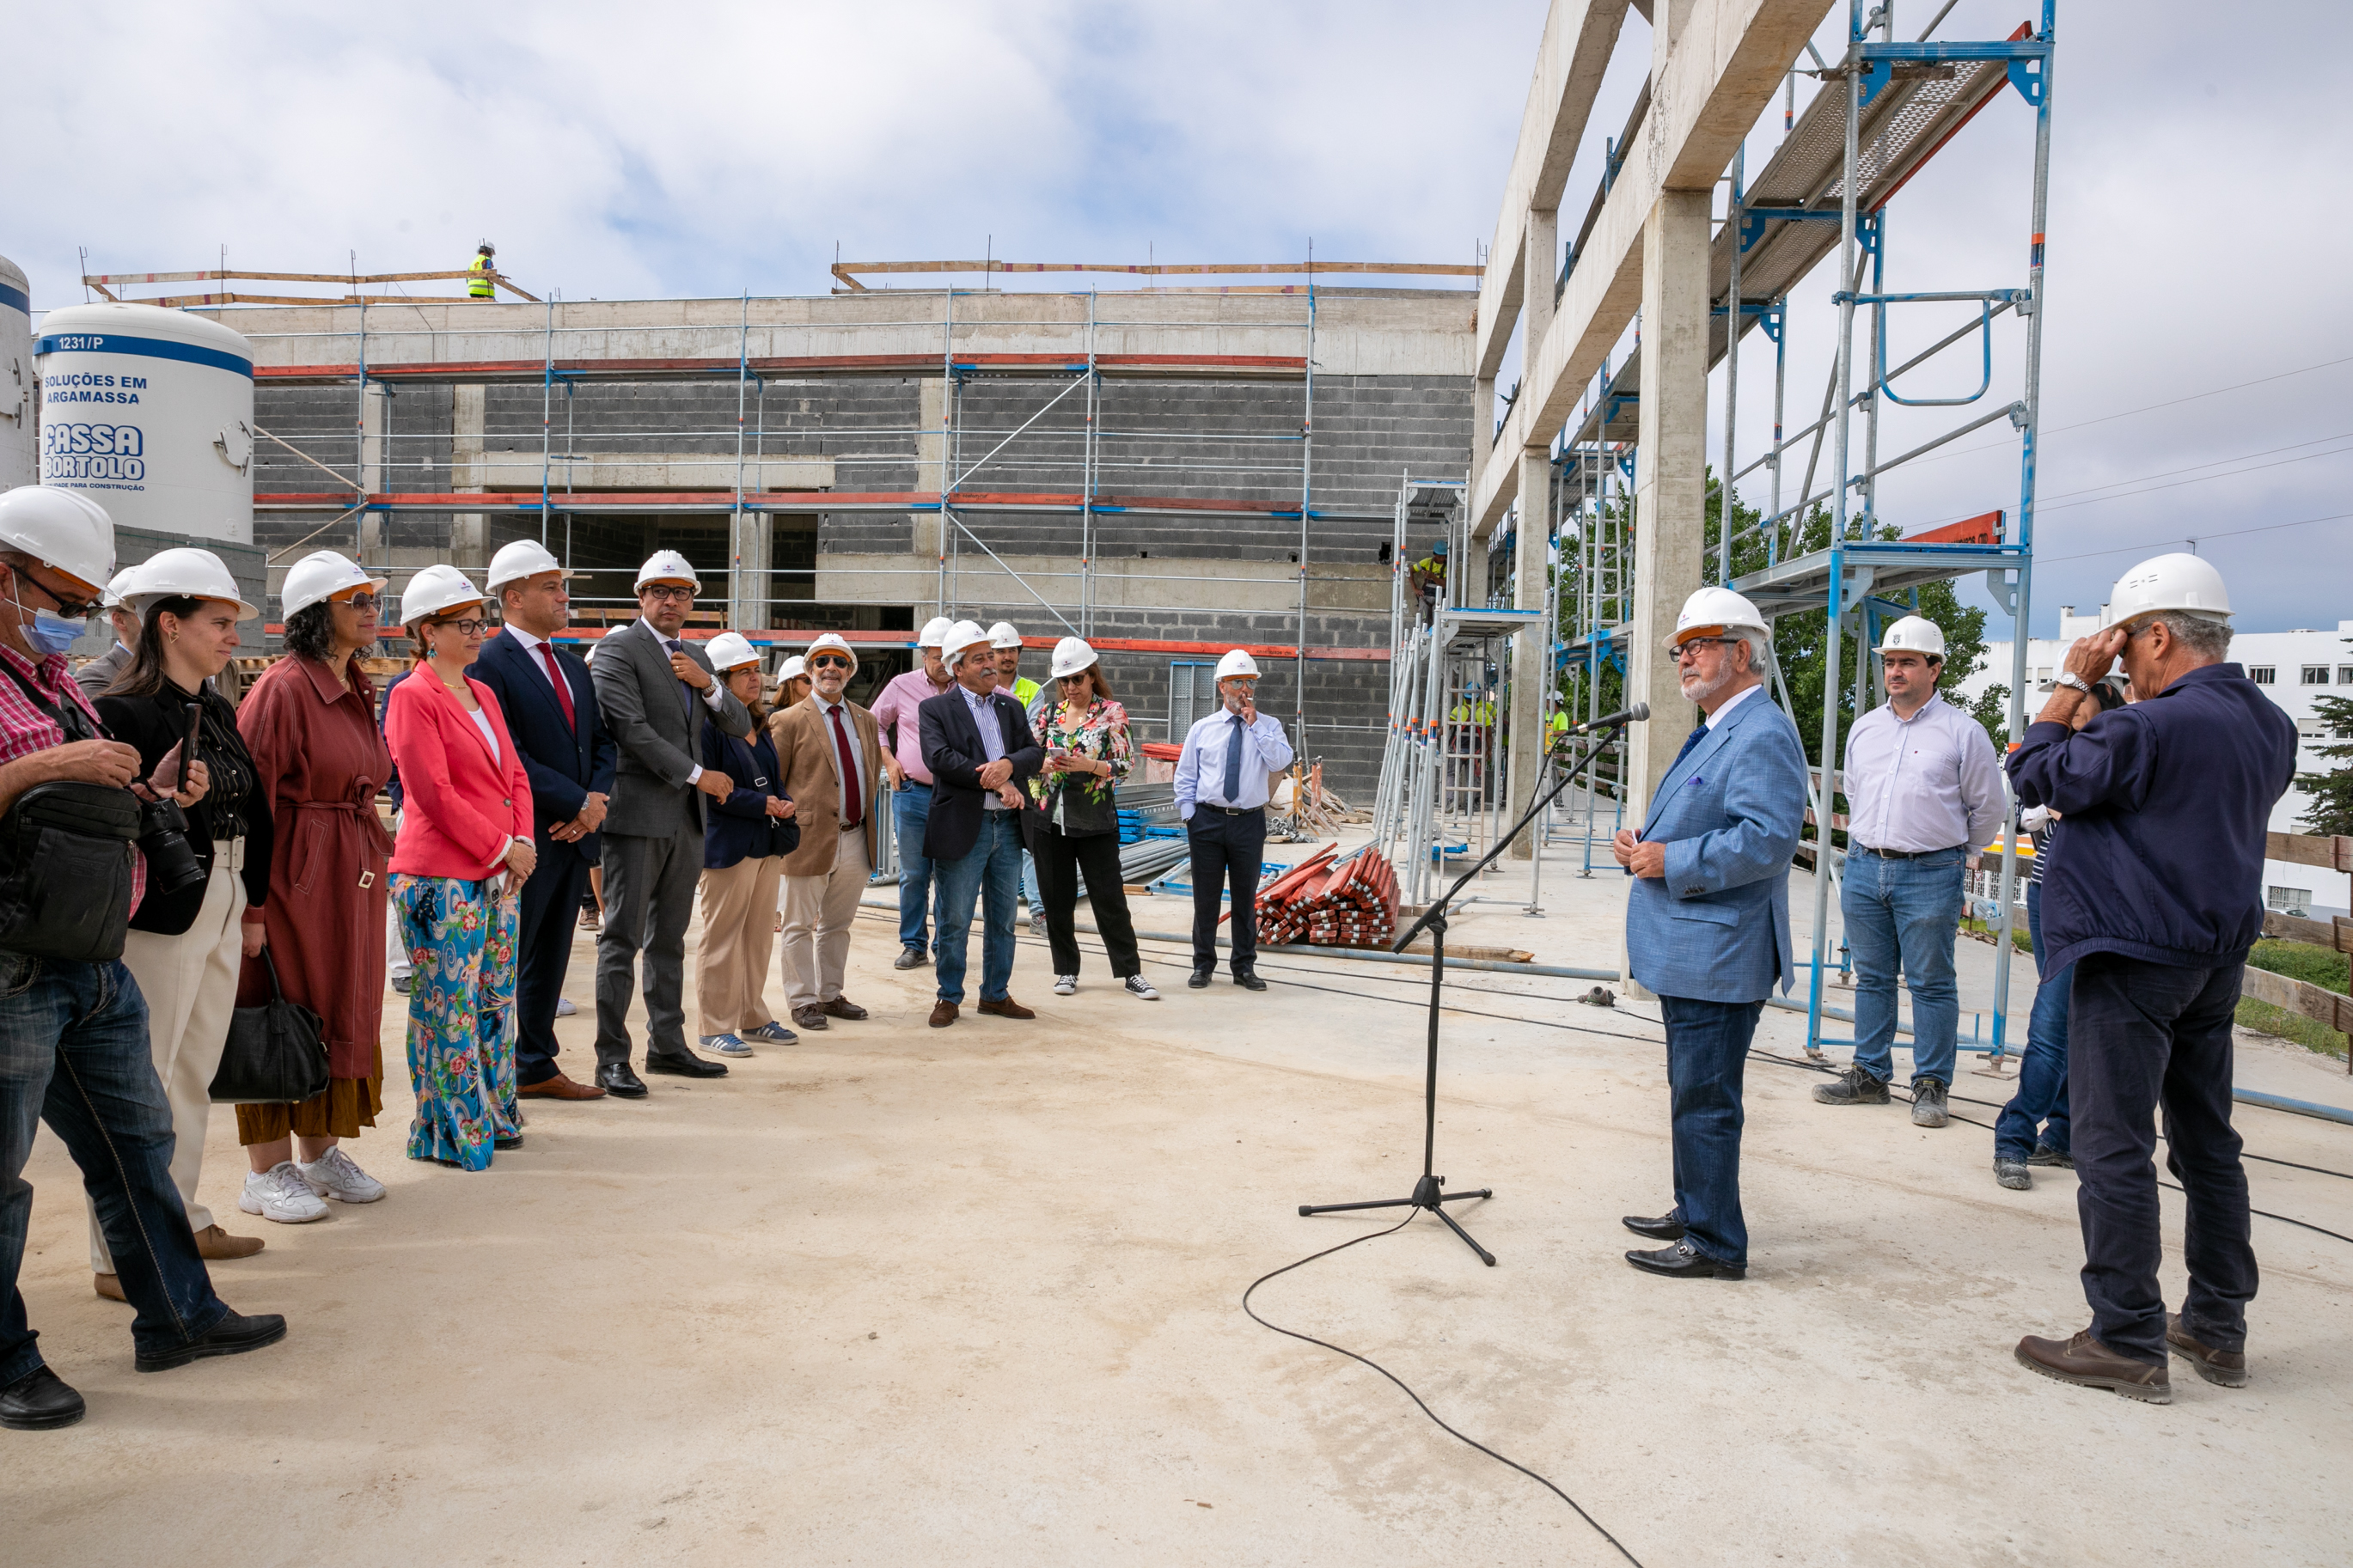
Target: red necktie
[
  {"x": 853, "y": 808},
  {"x": 563, "y": 689}
]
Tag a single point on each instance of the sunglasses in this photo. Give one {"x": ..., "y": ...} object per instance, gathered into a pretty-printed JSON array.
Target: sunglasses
[
  {"x": 360, "y": 601},
  {"x": 70, "y": 608},
  {"x": 830, "y": 661}
]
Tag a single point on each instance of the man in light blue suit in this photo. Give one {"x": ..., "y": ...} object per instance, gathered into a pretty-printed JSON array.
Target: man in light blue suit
[{"x": 1708, "y": 919}]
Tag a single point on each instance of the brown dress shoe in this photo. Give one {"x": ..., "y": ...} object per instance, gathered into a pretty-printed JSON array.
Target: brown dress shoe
[
  {"x": 809, "y": 1017},
  {"x": 111, "y": 1287},
  {"x": 2086, "y": 1363},
  {"x": 943, "y": 1014},
  {"x": 2225, "y": 1369},
  {"x": 1008, "y": 1008},
  {"x": 217, "y": 1246},
  {"x": 559, "y": 1088},
  {"x": 843, "y": 1007}
]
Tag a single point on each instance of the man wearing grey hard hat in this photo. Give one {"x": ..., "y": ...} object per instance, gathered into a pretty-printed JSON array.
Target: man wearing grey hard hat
[{"x": 2155, "y": 897}]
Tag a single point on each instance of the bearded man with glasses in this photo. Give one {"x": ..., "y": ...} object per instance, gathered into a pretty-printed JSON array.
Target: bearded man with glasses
[{"x": 830, "y": 751}]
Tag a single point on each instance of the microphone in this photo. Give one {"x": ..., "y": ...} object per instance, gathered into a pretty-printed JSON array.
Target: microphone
[{"x": 1634, "y": 713}]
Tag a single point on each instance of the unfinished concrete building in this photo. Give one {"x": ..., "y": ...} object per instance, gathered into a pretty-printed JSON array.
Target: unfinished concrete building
[{"x": 1166, "y": 472}]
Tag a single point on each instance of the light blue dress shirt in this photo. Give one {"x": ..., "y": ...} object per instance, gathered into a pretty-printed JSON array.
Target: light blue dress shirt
[
  {"x": 1201, "y": 766},
  {"x": 992, "y": 737}
]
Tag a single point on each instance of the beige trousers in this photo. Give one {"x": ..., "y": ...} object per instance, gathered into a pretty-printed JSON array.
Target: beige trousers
[
  {"x": 818, "y": 913},
  {"x": 190, "y": 984},
  {"x": 739, "y": 929}
]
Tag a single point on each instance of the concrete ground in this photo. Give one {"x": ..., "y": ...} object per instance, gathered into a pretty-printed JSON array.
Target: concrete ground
[{"x": 899, "y": 1295}]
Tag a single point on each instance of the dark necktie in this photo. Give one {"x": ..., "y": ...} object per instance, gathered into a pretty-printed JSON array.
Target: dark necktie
[
  {"x": 853, "y": 805},
  {"x": 562, "y": 687},
  {"x": 673, "y": 645},
  {"x": 1693, "y": 738},
  {"x": 1234, "y": 763}
]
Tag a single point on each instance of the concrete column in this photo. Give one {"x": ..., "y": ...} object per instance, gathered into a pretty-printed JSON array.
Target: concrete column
[
  {"x": 469, "y": 531},
  {"x": 930, "y": 469},
  {"x": 1670, "y": 480},
  {"x": 1482, "y": 425},
  {"x": 1542, "y": 267},
  {"x": 1531, "y": 650},
  {"x": 750, "y": 552}
]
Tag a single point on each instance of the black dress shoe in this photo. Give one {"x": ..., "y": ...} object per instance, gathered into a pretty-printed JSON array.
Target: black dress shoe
[
  {"x": 616, "y": 1077},
  {"x": 1684, "y": 1261},
  {"x": 514, "y": 1143},
  {"x": 39, "y": 1401},
  {"x": 233, "y": 1335},
  {"x": 1666, "y": 1227},
  {"x": 686, "y": 1064},
  {"x": 1200, "y": 980},
  {"x": 1249, "y": 981}
]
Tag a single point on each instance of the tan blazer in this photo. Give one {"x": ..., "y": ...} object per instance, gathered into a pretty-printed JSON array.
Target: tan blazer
[{"x": 804, "y": 742}]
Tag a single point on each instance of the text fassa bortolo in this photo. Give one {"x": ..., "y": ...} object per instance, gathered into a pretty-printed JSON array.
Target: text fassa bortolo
[{"x": 72, "y": 451}]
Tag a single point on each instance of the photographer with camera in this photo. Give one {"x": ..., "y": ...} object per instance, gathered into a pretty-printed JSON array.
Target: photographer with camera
[{"x": 73, "y": 1026}]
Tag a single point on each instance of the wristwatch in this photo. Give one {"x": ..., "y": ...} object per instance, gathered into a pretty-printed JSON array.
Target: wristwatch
[{"x": 2068, "y": 678}]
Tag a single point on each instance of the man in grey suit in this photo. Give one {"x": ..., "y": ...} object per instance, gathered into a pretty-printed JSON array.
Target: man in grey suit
[
  {"x": 99, "y": 674},
  {"x": 1708, "y": 919},
  {"x": 655, "y": 689}
]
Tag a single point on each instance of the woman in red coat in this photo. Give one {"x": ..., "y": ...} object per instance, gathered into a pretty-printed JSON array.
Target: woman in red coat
[{"x": 465, "y": 851}]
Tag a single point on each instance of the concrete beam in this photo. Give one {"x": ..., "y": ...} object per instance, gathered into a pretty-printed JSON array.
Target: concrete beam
[
  {"x": 1579, "y": 36},
  {"x": 1724, "y": 60}
]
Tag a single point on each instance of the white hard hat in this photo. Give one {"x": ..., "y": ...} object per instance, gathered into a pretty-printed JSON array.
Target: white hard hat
[
  {"x": 2187, "y": 583},
  {"x": 61, "y": 529},
  {"x": 523, "y": 558},
  {"x": 1711, "y": 611},
  {"x": 832, "y": 642},
  {"x": 1002, "y": 635},
  {"x": 319, "y": 577},
  {"x": 933, "y": 630},
  {"x": 1071, "y": 655},
  {"x": 1238, "y": 665},
  {"x": 668, "y": 566},
  {"x": 185, "y": 573},
  {"x": 729, "y": 651},
  {"x": 1913, "y": 634},
  {"x": 437, "y": 588},
  {"x": 792, "y": 668},
  {"x": 960, "y": 637},
  {"x": 119, "y": 589}
]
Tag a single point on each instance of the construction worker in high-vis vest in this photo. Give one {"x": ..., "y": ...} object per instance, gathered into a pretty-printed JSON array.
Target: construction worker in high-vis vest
[{"x": 478, "y": 286}]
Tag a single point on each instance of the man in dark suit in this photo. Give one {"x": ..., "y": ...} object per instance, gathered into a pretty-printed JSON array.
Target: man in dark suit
[
  {"x": 654, "y": 689},
  {"x": 978, "y": 743},
  {"x": 551, "y": 708}
]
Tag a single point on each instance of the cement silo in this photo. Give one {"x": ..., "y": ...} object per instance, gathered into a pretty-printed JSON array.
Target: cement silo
[
  {"x": 150, "y": 412},
  {"x": 18, "y": 466}
]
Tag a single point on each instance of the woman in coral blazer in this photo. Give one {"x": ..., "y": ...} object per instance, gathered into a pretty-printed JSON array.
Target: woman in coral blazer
[{"x": 458, "y": 870}]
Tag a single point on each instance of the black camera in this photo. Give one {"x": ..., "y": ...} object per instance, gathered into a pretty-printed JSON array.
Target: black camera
[{"x": 172, "y": 866}]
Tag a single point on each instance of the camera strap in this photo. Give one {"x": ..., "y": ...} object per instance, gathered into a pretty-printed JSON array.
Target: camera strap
[{"x": 66, "y": 716}]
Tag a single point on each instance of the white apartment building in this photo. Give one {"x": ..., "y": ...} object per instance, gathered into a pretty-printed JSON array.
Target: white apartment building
[{"x": 2294, "y": 667}]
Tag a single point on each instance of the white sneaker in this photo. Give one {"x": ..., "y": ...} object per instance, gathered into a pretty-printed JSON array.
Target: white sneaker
[
  {"x": 280, "y": 1194},
  {"x": 1065, "y": 985},
  {"x": 335, "y": 1177},
  {"x": 1141, "y": 989},
  {"x": 563, "y": 1007}
]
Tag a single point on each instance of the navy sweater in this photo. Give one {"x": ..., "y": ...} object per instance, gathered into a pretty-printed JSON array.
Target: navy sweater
[{"x": 2164, "y": 806}]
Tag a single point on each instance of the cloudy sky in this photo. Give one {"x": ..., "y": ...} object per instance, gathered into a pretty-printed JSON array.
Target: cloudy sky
[{"x": 2197, "y": 221}]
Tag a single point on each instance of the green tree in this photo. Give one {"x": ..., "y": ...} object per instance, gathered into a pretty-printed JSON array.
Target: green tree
[{"x": 2332, "y": 792}]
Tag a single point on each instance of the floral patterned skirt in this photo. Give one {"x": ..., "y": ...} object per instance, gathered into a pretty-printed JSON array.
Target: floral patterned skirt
[{"x": 461, "y": 1033}]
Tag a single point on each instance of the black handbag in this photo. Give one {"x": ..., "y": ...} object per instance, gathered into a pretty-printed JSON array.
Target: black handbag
[
  {"x": 67, "y": 857},
  {"x": 276, "y": 1054}
]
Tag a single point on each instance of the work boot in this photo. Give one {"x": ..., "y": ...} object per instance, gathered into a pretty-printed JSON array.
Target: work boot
[
  {"x": 39, "y": 1401},
  {"x": 2225, "y": 1369},
  {"x": 1929, "y": 1103},
  {"x": 2044, "y": 1154},
  {"x": 2086, "y": 1363},
  {"x": 911, "y": 958},
  {"x": 1854, "y": 1086},
  {"x": 2012, "y": 1174}
]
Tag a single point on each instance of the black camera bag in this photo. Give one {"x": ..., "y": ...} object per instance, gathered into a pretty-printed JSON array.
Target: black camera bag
[{"x": 68, "y": 856}]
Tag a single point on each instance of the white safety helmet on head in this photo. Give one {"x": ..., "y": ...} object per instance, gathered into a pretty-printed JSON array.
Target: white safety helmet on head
[
  {"x": 1714, "y": 612},
  {"x": 1072, "y": 654},
  {"x": 666, "y": 566},
  {"x": 438, "y": 588},
  {"x": 523, "y": 558},
  {"x": 933, "y": 630},
  {"x": 1913, "y": 634},
  {"x": 119, "y": 589},
  {"x": 2185, "y": 584},
  {"x": 61, "y": 529},
  {"x": 729, "y": 651},
  {"x": 831, "y": 642},
  {"x": 1002, "y": 635},
  {"x": 185, "y": 573},
  {"x": 319, "y": 576},
  {"x": 792, "y": 668},
  {"x": 1238, "y": 665},
  {"x": 961, "y": 638}
]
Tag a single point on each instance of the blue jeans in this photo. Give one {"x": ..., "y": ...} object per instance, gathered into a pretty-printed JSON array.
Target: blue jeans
[
  {"x": 1030, "y": 883},
  {"x": 73, "y": 1053},
  {"x": 1707, "y": 1058},
  {"x": 2042, "y": 1098},
  {"x": 911, "y": 810},
  {"x": 991, "y": 872},
  {"x": 1911, "y": 910}
]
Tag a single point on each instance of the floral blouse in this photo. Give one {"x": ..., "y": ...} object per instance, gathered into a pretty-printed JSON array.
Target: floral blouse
[{"x": 1080, "y": 804}]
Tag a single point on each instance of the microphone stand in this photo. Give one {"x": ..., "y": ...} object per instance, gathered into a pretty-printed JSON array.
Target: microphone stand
[{"x": 1426, "y": 1192}]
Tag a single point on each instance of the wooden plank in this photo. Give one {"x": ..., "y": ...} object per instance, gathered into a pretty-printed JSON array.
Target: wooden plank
[
  {"x": 2337, "y": 933},
  {"x": 2309, "y": 849},
  {"x": 2323, "y": 1006}
]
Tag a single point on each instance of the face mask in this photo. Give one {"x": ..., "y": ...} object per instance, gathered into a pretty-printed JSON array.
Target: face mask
[{"x": 49, "y": 632}]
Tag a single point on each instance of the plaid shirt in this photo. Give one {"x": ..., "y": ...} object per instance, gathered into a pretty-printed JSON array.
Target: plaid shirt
[{"x": 24, "y": 729}]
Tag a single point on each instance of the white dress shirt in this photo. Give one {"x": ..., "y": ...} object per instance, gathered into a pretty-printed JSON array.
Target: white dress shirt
[
  {"x": 1201, "y": 766},
  {"x": 1929, "y": 782},
  {"x": 714, "y": 696},
  {"x": 859, "y": 788},
  {"x": 1729, "y": 703}
]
